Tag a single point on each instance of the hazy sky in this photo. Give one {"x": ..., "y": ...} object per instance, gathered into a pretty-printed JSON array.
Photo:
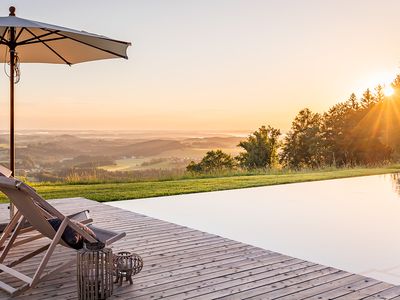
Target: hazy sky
[{"x": 206, "y": 64}]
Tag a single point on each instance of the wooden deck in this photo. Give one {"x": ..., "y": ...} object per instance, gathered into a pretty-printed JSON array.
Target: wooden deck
[{"x": 182, "y": 263}]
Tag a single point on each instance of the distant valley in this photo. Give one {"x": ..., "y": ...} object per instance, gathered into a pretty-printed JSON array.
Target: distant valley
[{"x": 50, "y": 156}]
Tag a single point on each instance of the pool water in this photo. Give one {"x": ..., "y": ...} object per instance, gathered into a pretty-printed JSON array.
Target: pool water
[{"x": 352, "y": 224}]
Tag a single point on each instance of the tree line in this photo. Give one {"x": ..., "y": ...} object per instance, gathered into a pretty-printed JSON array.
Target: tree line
[{"x": 358, "y": 131}]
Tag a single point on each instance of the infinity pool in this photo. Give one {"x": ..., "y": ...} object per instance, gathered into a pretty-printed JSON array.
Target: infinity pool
[{"x": 351, "y": 224}]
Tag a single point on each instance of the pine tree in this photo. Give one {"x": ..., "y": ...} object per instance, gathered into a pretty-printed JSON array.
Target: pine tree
[
  {"x": 302, "y": 146},
  {"x": 353, "y": 101},
  {"x": 367, "y": 99},
  {"x": 379, "y": 94}
]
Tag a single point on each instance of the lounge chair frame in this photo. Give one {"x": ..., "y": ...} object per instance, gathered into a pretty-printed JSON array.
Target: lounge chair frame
[{"x": 32, "y": 215}]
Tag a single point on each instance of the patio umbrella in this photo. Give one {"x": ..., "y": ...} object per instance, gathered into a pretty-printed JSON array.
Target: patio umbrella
[{"x": 27, "y": 41}]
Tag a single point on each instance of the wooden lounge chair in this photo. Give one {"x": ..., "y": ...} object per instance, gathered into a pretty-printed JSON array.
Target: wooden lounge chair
[{"x": 34, "y": 210}]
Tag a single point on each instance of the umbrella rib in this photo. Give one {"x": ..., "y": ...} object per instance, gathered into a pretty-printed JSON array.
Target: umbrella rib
[
  {"x": 50, "y": 48},
  {"x": 2, "y": 37},
  {"x": 35, "y": 37},
  {"x": 90, "y": 45},
  {"x": 19, "y": 33},
  {"x": 42, "y": 41}
]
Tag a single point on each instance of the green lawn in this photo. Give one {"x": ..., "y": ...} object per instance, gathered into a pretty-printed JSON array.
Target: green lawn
[{"x": 134, "y": 190}]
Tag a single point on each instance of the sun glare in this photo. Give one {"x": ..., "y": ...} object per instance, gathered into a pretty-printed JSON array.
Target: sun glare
[
  {"x": 372, "y": 80},
  {"x": 388, "y": 90}
]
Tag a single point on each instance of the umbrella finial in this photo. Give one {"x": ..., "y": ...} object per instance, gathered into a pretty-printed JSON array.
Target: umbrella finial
[{"x": 12, "y": 11}]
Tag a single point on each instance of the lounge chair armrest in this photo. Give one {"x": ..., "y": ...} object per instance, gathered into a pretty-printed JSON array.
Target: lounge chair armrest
[
  {"x": 80, "y": 216},
  {"x": 115, "y": 238},
  {"x": 87, "y": 221}
]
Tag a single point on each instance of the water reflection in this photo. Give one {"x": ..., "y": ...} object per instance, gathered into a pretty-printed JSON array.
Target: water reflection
[{"x": 351, "y": 224}]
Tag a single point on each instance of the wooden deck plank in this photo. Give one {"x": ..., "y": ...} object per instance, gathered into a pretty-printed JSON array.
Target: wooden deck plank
[
  {"x": 204, "y": 279},
  {"x": 183, "y": 263},
  {"x": 388, "y": 294},
  {"x": 295, "y": 289},
  {"x": 362, "y": 293},
  {"x": 184, "y": 279},
  {"x": 345, "y": 291},
  {"x": 252, "y": 285},
  {"x": 317, "y": 289},
  {"x": 167, "y": 273}
]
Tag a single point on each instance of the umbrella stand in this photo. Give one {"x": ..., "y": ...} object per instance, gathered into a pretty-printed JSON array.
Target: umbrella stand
[
  {"x": 12, "y": 134},
  {"x": 12, "y": 122}
]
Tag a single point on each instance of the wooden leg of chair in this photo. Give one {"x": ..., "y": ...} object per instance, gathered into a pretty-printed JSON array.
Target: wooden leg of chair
[
  {"x": 12, "y": 239},
  {"x": 27, "y": 229},
  {"x": 28, "y": 256},
  {"x": 49, "y": 252},
  {"x": 28, "y": 239},
  {"x": 26, "y": 287},
  {"x": 20, "y": 290},
  {"x": 10, "y": 227}
]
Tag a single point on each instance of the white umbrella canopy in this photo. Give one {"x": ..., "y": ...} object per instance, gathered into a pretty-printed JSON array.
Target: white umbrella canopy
[
  {"x": 37, "y": 42},
  {"x": 27, "y": 41}
]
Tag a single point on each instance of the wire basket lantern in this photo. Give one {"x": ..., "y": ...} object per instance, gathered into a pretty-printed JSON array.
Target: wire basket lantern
[
  {"x": 95, "y": 272},
  {"x": 126, "y": 264}
]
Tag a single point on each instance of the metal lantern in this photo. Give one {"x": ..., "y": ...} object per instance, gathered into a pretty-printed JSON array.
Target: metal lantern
[
  {"x": 126, "y": 264},
  {"x": 95, "y": 272}
]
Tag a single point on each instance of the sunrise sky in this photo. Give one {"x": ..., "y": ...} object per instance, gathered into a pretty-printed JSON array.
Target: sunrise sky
[{"x": 206, "y": 64}]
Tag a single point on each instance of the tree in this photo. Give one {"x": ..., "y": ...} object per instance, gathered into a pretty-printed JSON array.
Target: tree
[
  {"x": 379, "y": 93},
  {"x": 368, "y": 99},
  {"x": 351, "y": 136},
  {"x": 396, "y": 88},
  {"x": 261, "y": 149},
  {"x": 396, "y": 83},
  {"x": 353, "y": 101},
  {"x": 303, "y": 144},
  {"x": 337, "y": 125},
  {"x": 213, "y": 161},
  {"x": 194, "y": 168}
]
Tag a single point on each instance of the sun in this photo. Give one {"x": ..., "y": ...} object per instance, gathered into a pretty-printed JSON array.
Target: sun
[{"x": 388, "y": 90}]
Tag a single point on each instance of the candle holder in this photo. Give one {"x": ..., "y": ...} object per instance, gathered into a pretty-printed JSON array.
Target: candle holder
[
  {"x": 126, "y": 265},
  {"x": 94, "y": 272}
]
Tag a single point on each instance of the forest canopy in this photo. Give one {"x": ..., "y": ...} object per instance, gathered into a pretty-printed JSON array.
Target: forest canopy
[{"x": 358, "y": 131}]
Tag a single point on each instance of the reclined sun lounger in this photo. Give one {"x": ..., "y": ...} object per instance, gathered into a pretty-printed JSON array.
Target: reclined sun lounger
[{"x": 33, "y": 209}]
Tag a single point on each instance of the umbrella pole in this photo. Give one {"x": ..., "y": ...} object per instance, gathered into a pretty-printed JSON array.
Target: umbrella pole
[{"x": 12, "y": 129}]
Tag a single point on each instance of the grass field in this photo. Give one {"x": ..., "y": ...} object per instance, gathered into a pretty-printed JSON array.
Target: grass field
[{"x": 145, "y": 189}]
